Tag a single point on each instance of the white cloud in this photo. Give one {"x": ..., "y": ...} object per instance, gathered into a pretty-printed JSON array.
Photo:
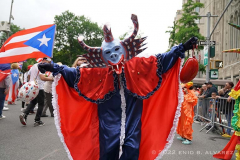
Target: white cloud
[{"x": 154, "y": 16}]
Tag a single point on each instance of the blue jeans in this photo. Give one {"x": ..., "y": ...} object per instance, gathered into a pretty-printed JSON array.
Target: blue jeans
[
  {"x": 2, "y": 99},
  {"x": 229, "y": 118}
]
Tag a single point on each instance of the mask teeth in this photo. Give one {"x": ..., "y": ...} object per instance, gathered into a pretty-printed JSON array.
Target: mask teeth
[
  {"x": 117, "y": 67},
  {"x": 122, "y": 63}
]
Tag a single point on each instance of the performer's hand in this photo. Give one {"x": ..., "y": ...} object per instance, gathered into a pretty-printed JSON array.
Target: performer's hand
[
  {"x": 43, "y": 67},
  {"x": 189, "y": 44}
]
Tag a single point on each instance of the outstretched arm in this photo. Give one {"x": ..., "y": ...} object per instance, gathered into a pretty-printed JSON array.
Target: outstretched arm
[
  {"x": 168, "y": 59},
  {"x": 69, "y": 74}
]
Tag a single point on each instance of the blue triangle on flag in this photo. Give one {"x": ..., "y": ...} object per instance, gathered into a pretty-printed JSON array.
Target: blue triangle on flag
[{"x": 43, "y": 41}]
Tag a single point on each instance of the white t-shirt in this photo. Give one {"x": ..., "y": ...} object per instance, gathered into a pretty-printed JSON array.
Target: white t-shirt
[
  {"x": 25, "y": 77},
  {"x": 34, "y": 74}
]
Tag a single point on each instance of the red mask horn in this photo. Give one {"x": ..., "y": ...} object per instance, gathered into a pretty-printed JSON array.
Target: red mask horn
[
  {"x": 135, "y": 31},
  {"x": 107, "y": 33}
]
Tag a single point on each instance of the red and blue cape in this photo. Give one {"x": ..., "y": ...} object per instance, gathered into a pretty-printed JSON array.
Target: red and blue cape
[{"x": 92, "y": 121}]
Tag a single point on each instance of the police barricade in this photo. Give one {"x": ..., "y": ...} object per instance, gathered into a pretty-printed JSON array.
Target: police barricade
[{"x": 215, "y": 113}]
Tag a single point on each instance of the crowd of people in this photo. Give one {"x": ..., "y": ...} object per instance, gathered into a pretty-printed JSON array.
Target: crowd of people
[
  {"x": 207, "y": 95},
  {"x": 10, "y": 85}
]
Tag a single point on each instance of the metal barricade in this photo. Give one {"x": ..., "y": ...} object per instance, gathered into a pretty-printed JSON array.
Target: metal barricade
[{"x": 215, "y": 113}]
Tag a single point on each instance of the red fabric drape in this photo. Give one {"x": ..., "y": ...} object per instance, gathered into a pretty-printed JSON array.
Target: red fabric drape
[
  {"x": 158, "y": 115},
  {"x": 79, "y": 123}
]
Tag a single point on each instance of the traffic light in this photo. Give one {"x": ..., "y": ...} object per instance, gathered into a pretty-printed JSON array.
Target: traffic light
[{"x": 212, "y": 51}]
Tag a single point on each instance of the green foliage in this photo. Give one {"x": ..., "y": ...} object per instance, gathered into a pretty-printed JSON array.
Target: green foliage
[
  {"x": 172, "y": 38},
  {"x": 13, "y": 29},
  {"x": 201, "y": 68},
  {"x": 27, "y": 63},
  {"x": 69, "y": 27},
  {"x": 129, "y": 33},
  {"x": 186, "y": 27}
]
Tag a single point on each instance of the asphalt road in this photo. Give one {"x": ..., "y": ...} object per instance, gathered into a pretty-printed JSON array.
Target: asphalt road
[{"x": 19, "y": 142}]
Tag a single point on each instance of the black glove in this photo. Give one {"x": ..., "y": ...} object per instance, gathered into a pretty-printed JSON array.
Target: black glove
[
  {"x": 189, "y": 44},
  {"x": 43, "y": 67}
]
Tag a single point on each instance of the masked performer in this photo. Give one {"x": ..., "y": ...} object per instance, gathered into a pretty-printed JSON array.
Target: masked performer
[
  {"x": 91, "y": 120},
  {"x": 184, "y": 128}
]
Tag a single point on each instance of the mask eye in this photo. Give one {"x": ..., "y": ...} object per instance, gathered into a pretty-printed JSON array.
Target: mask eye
[
  {"x": 107, "y": 52},
  {"x": 116, "y": 49}
]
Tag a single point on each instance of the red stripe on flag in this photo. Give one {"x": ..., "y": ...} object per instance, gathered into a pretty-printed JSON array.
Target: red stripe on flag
[
  {"x": 27, "y": 31},
  {"x": 4, "y": 74},
  {"x": 18, "y": 58},
  {"x": 15, "y": 45}
]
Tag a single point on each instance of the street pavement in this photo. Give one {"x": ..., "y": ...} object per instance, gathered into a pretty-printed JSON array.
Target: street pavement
[{"x": 19, "y": 142}]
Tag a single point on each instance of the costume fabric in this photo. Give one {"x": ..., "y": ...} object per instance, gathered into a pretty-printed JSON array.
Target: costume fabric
[
  {"x": 92, "y": 122},
  {"x": 184, "y": 128}
]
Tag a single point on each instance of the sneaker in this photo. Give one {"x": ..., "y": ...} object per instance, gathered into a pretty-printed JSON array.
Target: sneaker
[
  {"x": 196, "y": 121},
  {"x": 2, "y": 117},
  {"x": 226, "y": 135},
  {"x": 44, "y": 115},
  {"x": 38, "y": 123},
  {"x": 181, "y": 139},
  {"x": 22, "y": 109},
  {"x": 5, "y": 108},
  {"x": 187, "y": 142},
  {"x": 23, "y": 119}
]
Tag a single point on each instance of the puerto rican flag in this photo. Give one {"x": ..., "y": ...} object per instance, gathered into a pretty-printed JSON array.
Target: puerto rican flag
[
  {"x": 5, "y": 70},
  {"x": 13, "y": 89},
  {"x": 30, "y": 43}
]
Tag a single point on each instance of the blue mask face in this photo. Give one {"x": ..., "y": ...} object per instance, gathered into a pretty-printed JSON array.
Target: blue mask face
[{"x": 112, "y": 52}]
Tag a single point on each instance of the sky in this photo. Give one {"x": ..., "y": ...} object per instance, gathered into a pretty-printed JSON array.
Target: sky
[{"x": 154, "y": 16}]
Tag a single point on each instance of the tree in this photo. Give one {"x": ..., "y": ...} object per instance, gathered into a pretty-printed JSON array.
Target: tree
[
  {"x": 13, "y": 29},
  {"x": 129, "y": 33},
  {"x": 69, "y": 27},
  {"x": 172, "y": 38},
  {"x": 186, "y": 26}
]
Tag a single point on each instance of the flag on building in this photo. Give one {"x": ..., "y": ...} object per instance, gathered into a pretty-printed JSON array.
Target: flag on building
[{"x": 30, "y": 43}]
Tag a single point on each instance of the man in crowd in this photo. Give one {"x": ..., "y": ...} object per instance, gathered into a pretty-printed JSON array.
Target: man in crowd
[
  {"x": 4, "y": 87},
  {"x": 40, "y": 78}
]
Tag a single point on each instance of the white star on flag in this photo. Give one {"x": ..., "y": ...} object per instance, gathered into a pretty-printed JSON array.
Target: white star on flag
[
  {"x": 44, "y": 40},
  {"x": 15, "y": 75}
]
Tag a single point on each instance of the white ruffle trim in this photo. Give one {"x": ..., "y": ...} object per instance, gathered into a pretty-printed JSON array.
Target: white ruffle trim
[
  {"x": 57, "y": 115},
  {"x": 176, "y": 118},
  {"x": 123, "y": 124}
]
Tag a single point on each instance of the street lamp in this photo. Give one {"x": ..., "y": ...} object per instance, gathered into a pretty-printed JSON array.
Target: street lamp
[{"x": 10, "y": 17}]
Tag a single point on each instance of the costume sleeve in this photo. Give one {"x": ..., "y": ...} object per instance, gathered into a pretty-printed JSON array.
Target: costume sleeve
[
  {"x": 69, "y": 74},
  {"x": 168, "y": 59}
]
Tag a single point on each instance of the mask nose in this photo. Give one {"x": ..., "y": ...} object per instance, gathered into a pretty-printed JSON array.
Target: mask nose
[{"x": 114, "y": 56}]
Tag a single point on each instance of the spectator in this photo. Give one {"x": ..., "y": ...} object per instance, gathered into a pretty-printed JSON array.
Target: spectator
[
  {"x": 80, "y": 61},
  {"x": 35, "y": 74},
  {"x": 14, "y": 84},
  {"x": 4, "y": 87},
  {"x": 228, "y": 107},
  {"x": 48, "y": 96}
]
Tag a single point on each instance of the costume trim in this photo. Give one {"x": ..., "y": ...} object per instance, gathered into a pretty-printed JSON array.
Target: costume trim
[
  {"x": 176, "y": 118},
  {"x": 123, "y": 129},
  {"x": 98, "y": 101},
  {"x": 57, "y": 115},
  {"x": 159, "y": 74}
]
